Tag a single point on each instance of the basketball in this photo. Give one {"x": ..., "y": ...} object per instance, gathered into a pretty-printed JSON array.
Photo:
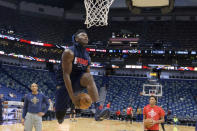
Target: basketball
[
  {"x": 85, "y": 100},
  {"x": 148, "y": 123}
]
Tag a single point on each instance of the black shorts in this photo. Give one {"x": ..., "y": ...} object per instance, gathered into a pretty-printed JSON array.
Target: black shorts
[
  {"x": 76, "y": 85},
  {"x": 62, "y": 98},
  {"x": 129, "y": 117}
]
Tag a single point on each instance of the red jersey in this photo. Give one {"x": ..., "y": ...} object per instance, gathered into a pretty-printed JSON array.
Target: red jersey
[
  {"x": 108, "y": 106},
  {"x": 118, "y": 113},
  {"x": 154, "y": 113},
  {"x": 129, "y": 110}
]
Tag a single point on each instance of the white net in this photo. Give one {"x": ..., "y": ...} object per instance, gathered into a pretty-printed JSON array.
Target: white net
[{"x": 97, "y": 12}]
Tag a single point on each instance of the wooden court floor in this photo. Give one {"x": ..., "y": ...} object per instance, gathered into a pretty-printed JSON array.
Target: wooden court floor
[{"x": 88, "y": 124}]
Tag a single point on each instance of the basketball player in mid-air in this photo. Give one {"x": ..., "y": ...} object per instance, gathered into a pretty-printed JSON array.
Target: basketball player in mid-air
[{"x": 74, "y": 76}]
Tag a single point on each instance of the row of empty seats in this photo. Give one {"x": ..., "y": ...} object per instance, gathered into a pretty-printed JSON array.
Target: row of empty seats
[{"x": 179, "y": 96}]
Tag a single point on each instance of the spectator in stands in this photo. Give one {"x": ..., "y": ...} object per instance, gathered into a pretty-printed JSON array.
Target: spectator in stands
[
  {"x": 108, "y": 105},
  {"x": 11, "y": 94},
  {"x": 1, "y": 106},
  {"x": 154, "y": 112},
  {"x": 175, "y": 120},
  {"x": 130, "y": 114},
  {"x": 32, "y": 110},
  {"x": 118, "y": 114}
]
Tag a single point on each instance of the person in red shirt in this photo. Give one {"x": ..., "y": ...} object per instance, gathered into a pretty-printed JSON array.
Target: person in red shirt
[
  {"x": 118, "y": 114},
  {"x": 108, "y": 105},
  {"x": 156, "y": 113},
  {"x": 130, "y": 114}
]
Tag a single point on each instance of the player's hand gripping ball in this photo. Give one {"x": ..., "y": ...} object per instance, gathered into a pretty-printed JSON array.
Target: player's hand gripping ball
[
  {"x": 85, "y": 100},
  {"x": 148, "y": 123}
]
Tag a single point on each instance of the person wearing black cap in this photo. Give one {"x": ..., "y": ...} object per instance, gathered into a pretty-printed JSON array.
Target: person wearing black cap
[{"x": 74, "y": 76}]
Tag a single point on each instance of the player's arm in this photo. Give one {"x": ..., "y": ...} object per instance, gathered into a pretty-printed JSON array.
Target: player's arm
[
  {"x": 67, "y": 58},
  {"x": 144, "y": 117},
  {"x": 89, "y": 63},
  {"x": 24, "y": 110},
  {"x": 162, "y": 114},
  {"x": 46, "y": 101}
]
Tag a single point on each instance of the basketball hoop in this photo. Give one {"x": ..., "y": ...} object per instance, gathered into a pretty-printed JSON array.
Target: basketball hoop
[
  {"x": 97, "y": 12},
  {"x": 152, "y": 89}
]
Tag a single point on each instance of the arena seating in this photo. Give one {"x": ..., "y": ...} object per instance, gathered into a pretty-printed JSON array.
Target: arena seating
[
  {"x": 24, "y": 77},
  {"x": 179, "y": 96},
  {"x": 8, "y": 84},
  {"x": 57, "y": 3},
  {"x": 58, "y": 31}
]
